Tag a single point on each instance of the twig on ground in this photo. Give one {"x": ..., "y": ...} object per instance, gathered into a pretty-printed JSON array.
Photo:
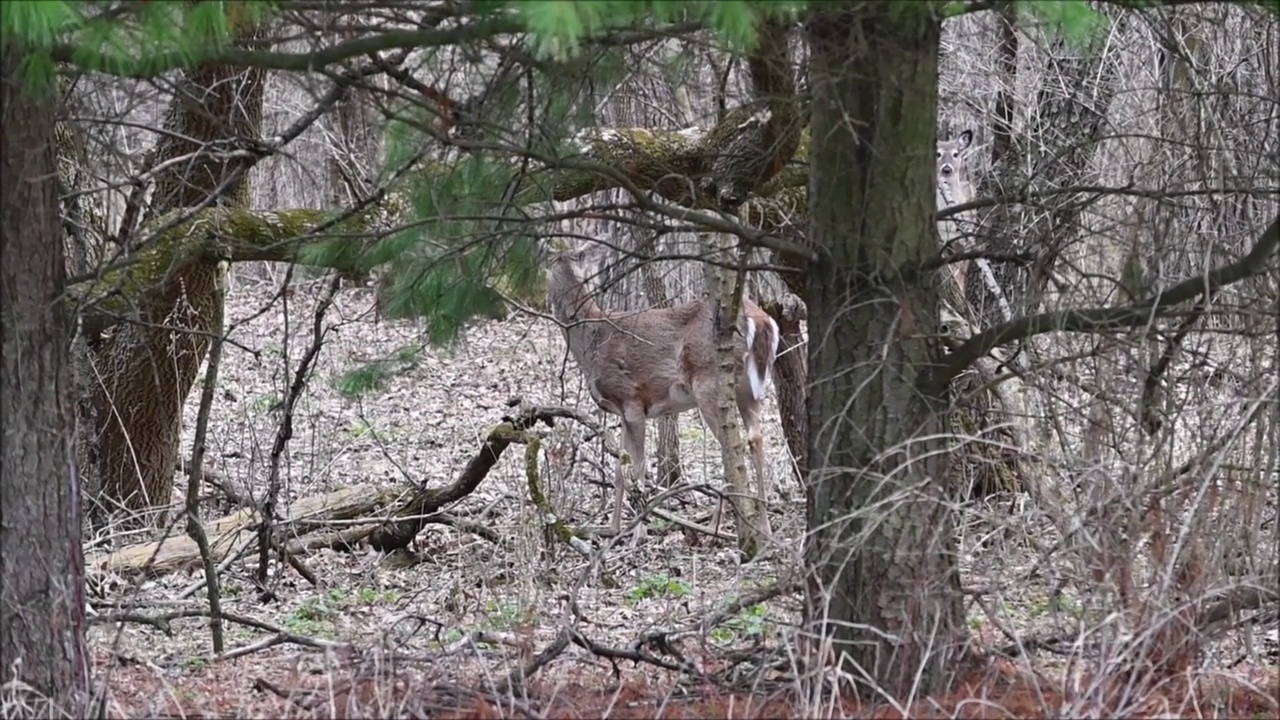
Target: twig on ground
[
  {"x": 517, "y": 677},
  {"x": 279, "y": 635}
]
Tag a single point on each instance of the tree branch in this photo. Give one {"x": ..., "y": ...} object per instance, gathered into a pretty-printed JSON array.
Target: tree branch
[
  {"x": 1096, "y": 320},
  {"x": 145, "y": 67}
]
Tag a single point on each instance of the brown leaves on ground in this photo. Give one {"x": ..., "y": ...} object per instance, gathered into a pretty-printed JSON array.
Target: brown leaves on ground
[{"x": 279, "y": 686}]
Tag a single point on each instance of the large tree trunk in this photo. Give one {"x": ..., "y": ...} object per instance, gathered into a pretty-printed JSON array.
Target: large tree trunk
[
  {"x": 883, "y": 593},
  {"x": 145, "y": 368},
  {"x": 41, "y": 567}
]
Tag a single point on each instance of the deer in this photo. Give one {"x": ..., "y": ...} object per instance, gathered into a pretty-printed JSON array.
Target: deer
[
  {"x": 954, "y": 186},
  {"x": 645, "y": 364}
]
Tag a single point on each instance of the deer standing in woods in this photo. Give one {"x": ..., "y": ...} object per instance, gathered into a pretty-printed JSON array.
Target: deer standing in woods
[{"x": 642, "y": 365}]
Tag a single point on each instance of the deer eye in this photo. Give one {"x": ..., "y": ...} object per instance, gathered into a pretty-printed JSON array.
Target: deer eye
[{"x": 939, "y": 154}]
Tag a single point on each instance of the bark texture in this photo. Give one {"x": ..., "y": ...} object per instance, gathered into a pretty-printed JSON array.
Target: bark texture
[
  {"x": 144, "y": 369},
  {"x": 41, "y": 566},
  {"x": 883, "y": 592}
]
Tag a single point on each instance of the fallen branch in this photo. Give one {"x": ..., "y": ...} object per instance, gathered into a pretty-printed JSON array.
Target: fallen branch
[
  {"x": 397, "y": 532},
  {"x": 278, "y": 635},
  {"x": 552, "y": 524}
]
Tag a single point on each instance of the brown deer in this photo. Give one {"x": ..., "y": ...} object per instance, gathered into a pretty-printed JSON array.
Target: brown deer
[{"x": 641, "y": 365}]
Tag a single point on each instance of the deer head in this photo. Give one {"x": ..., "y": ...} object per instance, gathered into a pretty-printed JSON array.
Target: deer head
[{"x": 954, "y": 184}]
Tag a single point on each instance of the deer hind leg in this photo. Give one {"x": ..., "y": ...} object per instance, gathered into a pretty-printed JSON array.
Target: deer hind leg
[
  {"x": 633, "y": 445},
  {"x": 755, "y": 440}
]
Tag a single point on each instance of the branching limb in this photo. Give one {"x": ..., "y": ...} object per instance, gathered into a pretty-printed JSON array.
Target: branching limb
[{"x": 1096, "y": 320}]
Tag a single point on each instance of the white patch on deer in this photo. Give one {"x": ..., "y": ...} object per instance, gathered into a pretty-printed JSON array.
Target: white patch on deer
[
  {"x": 773, "y": 354},
  {"x": 760, "y": 117},
  {"x": 759, "y": 378}
]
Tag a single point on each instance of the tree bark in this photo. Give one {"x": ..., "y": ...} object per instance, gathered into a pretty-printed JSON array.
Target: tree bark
[
  {"x": 667, "y": 452},
  {"x": 751, "y": 510},
  {"x": 41, "y": 566},
  {"x": 145, "y": 370},
  {"x": 883, "y": 592},
  {"x": 791, "y": 378}
]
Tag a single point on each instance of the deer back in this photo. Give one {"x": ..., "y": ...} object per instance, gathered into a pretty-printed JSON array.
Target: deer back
[{"x": 652, "y": 357}]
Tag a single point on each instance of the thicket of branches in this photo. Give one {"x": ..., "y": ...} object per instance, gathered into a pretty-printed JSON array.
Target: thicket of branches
[{"x": 1091, "y": 336}]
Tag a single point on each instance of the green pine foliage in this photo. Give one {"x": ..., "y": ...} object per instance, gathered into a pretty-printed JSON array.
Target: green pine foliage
[
  {"x": 1074, "y": 19},
  {"x": 463, "y": 254},
  {"x": 142, "y": 39}
]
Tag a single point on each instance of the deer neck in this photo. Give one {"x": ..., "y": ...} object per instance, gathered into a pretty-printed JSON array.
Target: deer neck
[
  {"x": 578, "y": 312},
  {"x": 953, "y": 191}
]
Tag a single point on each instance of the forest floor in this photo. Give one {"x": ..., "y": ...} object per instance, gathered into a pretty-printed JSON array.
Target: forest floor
[{"x": 665, "y": 623}]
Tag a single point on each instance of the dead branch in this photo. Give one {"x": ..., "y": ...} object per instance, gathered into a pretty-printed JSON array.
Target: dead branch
[
  {"x": 397, "y": 532},
  {"x": 517, "y": 677},
  {"x": 552, "y": 524},
  {"x": 284, "y": 433},
  {"x": 1097, "y": 320},
  {"x": 279, "y": 635}
]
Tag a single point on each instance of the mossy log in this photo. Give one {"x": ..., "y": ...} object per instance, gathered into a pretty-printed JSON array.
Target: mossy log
[{"x": 188, "y": 243}]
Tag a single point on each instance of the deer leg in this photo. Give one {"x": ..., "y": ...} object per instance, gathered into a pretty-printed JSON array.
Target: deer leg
[
  {"x": 755, "y": 439},
  {"x": 633, "y": 446}
]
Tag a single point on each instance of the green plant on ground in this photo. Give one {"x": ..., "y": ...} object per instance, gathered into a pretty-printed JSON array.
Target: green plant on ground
[
  {"x": 750, "y": 622},
  {"x": 658, "y": 586},
  {"x": 502, "y": 616}
]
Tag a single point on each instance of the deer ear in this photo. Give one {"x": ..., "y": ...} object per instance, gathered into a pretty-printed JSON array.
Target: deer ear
[{"x": 966, "y": 137}]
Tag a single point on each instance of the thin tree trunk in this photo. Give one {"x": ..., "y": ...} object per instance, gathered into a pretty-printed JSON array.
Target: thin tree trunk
[
  {"x": 41, "y": 567},
  {"x": 751, "y": 517},
  {"x": 667, "y": 452},
  {"x": 883, "y": 592}
]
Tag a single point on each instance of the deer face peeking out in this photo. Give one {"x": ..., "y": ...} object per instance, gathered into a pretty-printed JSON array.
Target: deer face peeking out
[
  {"x": 954, "y": 184},
  {"x": 641, "y": 365}
]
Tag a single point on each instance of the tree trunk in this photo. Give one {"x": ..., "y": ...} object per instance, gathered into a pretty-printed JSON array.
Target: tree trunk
[
  {"x": 751, "y": 511},
  {"x": 145, "y": 368},
  {"x": 41, "y": 567},
  {"x": 667, "y": 452},
  {"x": 883, "y": 593},
  {"x": 791, "y": 379}
]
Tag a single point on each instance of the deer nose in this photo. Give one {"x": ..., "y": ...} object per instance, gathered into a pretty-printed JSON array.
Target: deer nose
[{"x": 946, "y": 170}]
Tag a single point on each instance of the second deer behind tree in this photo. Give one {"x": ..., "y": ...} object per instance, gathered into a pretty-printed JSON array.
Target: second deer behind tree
[{"x": 646, "y": 364}]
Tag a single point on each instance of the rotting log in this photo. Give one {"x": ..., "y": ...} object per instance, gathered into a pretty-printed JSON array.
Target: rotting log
[{"x": 228, "y": 534}]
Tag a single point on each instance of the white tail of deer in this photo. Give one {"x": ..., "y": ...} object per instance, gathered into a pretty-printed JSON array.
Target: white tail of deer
[{"x": 646, "y": 364}]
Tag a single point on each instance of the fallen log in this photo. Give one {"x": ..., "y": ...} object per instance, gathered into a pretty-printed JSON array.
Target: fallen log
[{"x": 231, "y": 533}]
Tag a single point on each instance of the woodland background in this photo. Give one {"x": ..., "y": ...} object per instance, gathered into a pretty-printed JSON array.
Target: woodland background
[{"x": 345, "y": 354}]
